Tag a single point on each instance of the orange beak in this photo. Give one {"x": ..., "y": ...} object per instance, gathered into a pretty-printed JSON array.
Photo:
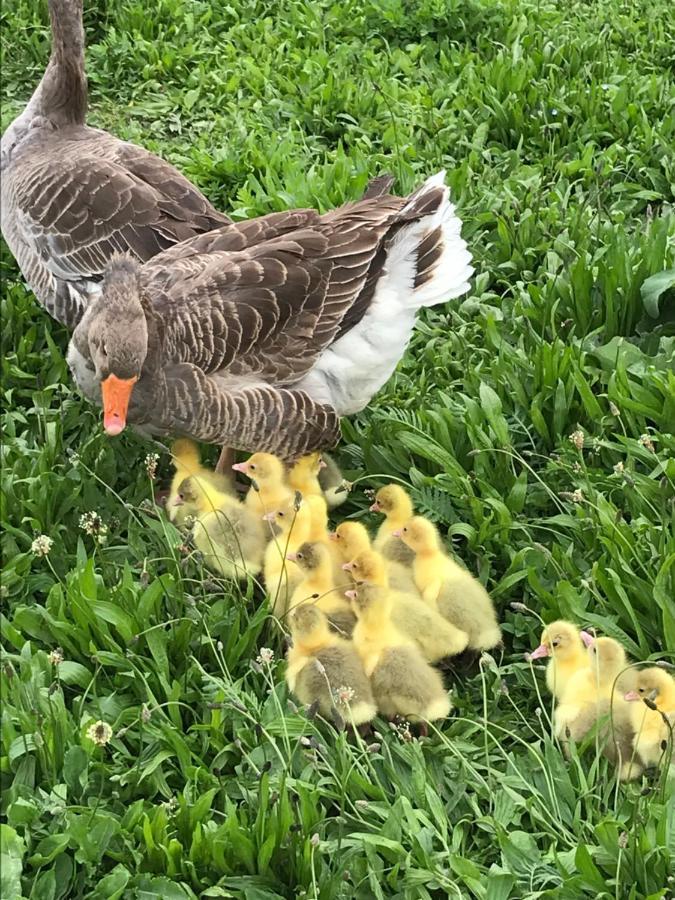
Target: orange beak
[{"x": 116, "y": 393}]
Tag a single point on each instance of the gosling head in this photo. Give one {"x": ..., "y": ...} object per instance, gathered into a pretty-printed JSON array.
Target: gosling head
[
  {"x": 368, "y": 599},
  {"x": 308, "y": 622},
  {"x": 655, "y": 685},
  {"x": 606, "y": 656},
  {"x": 309, "y": 465},
  {"x": 310, "y": 557},
  {"x": 392, "y": 500},
  {"x": 419, "y": 534},
  {"x": 367, "y": 567},
  {"x": 263, "y": 468},
  {"x": 352, "y": 538},
  {"x": 562, "y": 640}
]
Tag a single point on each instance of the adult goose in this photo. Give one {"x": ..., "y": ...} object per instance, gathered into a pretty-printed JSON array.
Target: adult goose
[
  {"x": 261, "y": 334},
  {"x": 72, "y": 196}
]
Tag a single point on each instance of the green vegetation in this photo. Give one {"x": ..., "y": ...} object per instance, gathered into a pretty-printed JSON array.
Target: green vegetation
[{"x": 555, "y": 123}]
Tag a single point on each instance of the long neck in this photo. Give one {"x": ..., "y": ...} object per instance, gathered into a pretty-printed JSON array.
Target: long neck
[{"x": 61, "y": 96}]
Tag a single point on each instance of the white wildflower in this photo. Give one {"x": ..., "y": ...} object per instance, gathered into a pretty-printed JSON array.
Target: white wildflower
[
  {"x": 618, "y": 468},
  {"x": 151, "y": 461},
  {"x": 266, "y": 656},
  {"x": 343, "y": 695},
  {"x": 100, "y": 733},
  {"x": 577, "y": 438},
  {"x": 42, "y": 545},
  {"x": 647, "y": 443},
  {"x": 56, "y": 657},
  {"x": 92, "y": 523}
]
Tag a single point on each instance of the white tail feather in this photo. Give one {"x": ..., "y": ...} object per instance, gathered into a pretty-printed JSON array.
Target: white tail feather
[
  {"x": 355, "y": 367},
  {"x": 453, "y": 269}
]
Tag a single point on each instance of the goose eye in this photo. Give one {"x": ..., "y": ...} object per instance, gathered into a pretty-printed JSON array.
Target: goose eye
[
  {"x": 555, "y": 643},
  {"x": 299, "y": 556},
  {"x": 642, "y": 690},
  {"x": 281, "y": 515},
  {"x": 252, "y": 467},
  {"x": 181, "y": 496}
]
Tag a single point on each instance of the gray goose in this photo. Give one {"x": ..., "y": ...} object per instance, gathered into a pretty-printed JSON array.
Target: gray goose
[
  {"x": 261, "y": 334},
  {"x": 73, "y": 196}
]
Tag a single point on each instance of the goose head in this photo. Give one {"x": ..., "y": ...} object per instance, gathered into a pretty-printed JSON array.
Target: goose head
[{"x": 117, "y": 339}]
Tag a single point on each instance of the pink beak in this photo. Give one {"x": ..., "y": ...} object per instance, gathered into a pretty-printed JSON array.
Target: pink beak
[
  {"x": 178, "y": 501},
  {"x": 269, "y": 517},
  {"x": 631, "y": 695},
  {"x": 322, "y": 464},
  {"x": 541, "y": 651},
  {"x": 398, "y": 533},
  {"x": 292, "y": 556},
  {"x": 351, "y": 595},
  {"x": 241, "y": 467},
  {"x": 346, "y": 567},
  {"x": 587, "y": 638},
  {"x": 332, "y": 536},
  {"x": 374, "y": 507}
]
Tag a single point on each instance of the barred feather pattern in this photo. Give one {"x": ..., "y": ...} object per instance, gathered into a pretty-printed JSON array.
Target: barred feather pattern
[{"x": 72, "y": 196}]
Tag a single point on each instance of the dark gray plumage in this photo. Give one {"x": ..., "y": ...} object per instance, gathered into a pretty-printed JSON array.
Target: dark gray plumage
[{"x": 73, "y": 196}]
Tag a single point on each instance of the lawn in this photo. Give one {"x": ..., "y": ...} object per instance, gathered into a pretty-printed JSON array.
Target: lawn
[{"x": 555, "y": 123}]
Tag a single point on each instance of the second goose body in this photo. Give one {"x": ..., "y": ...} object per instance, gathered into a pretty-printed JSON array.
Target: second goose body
[{"x": 73, "y": 196}]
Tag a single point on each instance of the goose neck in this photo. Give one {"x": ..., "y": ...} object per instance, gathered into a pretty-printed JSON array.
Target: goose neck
[{"x": 61, "y": 96}]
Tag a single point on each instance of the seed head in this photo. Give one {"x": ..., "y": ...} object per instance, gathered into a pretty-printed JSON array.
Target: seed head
[
  {"x": 100, "y": 733},
  {"x": 146, "y": 713},
  {"x": 343, "y": 695},
  {"x": 42, "y": 545},
  {"x": 92, "y": 523},
  {"x": 575, "y": 496},
  {"x": 519, "y": 607},
  {"x": 56, "y": 657},
  {"x": 614, "y": 409},
  {"x": 647, "y": 443},
  {"x": 151, "y": 461},
  {"x": 577, "y": 439}
]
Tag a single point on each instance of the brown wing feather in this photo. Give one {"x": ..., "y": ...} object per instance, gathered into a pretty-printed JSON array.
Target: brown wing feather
[
  {"x": 285, "y": 422},
  {"x": 298, "y": 289},
  {"x": 85, "y": 195}
]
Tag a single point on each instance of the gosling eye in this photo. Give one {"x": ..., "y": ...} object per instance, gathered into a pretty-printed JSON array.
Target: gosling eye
[
  {"x": 181, "y": 496},
  {"x": 299, "y": 556},
  {"x": 405, "y": 530},
  {"x": 555, "y": 643},
  {"x": 281, "y": 515},
  {"x": 641, "y": 690},
  {"x": 252, "y": 467}
]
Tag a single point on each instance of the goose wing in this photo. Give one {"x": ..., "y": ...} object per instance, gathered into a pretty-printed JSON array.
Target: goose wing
[
  {"x": 79, "y": 200},
  {"x": 268, "y": 311}
]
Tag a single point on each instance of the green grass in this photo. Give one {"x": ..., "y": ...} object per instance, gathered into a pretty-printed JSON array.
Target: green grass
[{"x": 555, "y": 123}]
